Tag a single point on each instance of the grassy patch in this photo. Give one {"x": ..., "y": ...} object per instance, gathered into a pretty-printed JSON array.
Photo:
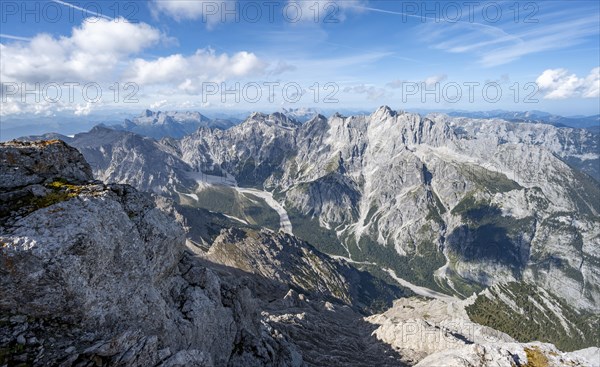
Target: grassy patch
[
  {"x": 490, "y": 181},
  {"x": 534, "y": 324},
  {"x": 535, "y": 358},
  {"x": 417, "y": 268},
  {"x": 309, "y": 230},
  {"x": 58, "y": 192},
  {"x": 222, "y": 199}
]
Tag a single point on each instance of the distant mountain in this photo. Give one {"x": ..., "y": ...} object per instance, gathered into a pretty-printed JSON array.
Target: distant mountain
[
  {"x": 170, "y": 124},
  {"x": 579, "y": 122},
  {"x": 300, "y": 114}
]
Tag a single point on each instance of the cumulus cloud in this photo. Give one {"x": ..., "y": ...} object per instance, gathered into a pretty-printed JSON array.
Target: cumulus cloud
[
  {"x": 91, "y": 53},
  {"x": 395, "y": 84},
  {"x": 102, "y": 53},
  {"x": 83, "y": 109},
  {"x": 158, "y": 104},
  {"x": 373, "y": 93},
  {"x": 188, "y": 72},
  {"x": 592, "y": 84},
  {"x": 560, "y": 84},
  {"x": 15, "y": 106}
]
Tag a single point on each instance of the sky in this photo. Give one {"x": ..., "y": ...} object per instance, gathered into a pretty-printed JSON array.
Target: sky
[{"x": 79, "y": 58}]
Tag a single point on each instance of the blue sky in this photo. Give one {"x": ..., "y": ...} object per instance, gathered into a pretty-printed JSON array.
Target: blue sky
[{"x": 358, "y": 54}]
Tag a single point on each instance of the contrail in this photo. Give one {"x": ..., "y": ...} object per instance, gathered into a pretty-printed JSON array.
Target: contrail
[
  {"x": 498, "y": 29},
  {"x": 11, "y": 37},
  {"x": 87, "y": 11}
]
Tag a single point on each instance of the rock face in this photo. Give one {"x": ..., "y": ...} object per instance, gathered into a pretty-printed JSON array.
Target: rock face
[
  {"x": 439, "y": 333},
  {"x": 295, "y": 264},
  {"x": 99, "y": 275},
  {"x": 454, "y": 204},
  {"x": 468, "y": 199},
  {"x": 94, "y": 274},
  {"x": 473, "y": 202},
  {"x": 127, "y": 158},
  {"x": 23, "y": 164}
]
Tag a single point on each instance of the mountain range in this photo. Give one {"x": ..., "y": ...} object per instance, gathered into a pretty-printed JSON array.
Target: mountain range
[{"x": 498, "y": 220}]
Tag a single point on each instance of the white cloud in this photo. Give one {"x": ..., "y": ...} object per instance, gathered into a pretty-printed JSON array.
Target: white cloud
[
  {"x": 210, "y": 12},
  {"x": 321, "y": 11},
  {"x": 83, "y": 109},
  {"x": 107, "y": 52},
  {"x": 158, "y": 104},
  {"x": 435, "y": 79},
  {"x": 15, "y": 106},
  {"x": 560, "y": 84},
  {"x": 281, "y": 68},
  {"x": 592, "y": 84},
  {"x": 429, "y": 81},
  {"x": 91, "y": 53},
  {"x": 187, "y": 73},
  {"x": 373, "y": 93},
  {"x": 395, "y": 84}
]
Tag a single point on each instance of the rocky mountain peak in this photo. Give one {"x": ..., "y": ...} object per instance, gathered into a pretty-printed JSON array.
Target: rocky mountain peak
[
  {"x": 275, "y": 119},
  {"x": 27, "y": 163},
  {"x": 383, "y": 112}
]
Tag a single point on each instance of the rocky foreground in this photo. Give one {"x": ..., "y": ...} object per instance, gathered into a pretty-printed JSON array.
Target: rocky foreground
[{"x": 95, "y": 274}]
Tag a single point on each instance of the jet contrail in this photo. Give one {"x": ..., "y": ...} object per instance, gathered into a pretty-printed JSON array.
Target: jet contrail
[
  {"x": 11, "y": 37},
  {"x": 82, "y": 9}
]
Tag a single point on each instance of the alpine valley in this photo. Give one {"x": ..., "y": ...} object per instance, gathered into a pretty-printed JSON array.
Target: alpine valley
[{"x": 382, "y": 239}]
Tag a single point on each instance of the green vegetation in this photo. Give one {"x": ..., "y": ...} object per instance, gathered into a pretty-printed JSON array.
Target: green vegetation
[
  {"x": 8, "y": 352},
  {"x": 554, "y": 222},
  {"x": 222, "y": 199},
  {"x": 535, "y": 358},
  {"x": 59, "y": 191},
  {"x": 417, "y": 268},
  {"x": 466, "y": 204},
  {"x": 309, "y": 230},
  {"x": 535, "y": 324},
  {"x": 205, "y": 225},
  {"x": 333, "y": 165},
  {"x": 376, "y": 292},
  {"x": 253, "y": 174},
  {"x": 587, "y": 195},
  {"x": 461, "y": 287},
  {"x": 436, "y": 210},
  {"x": 490, "y": 181}
]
